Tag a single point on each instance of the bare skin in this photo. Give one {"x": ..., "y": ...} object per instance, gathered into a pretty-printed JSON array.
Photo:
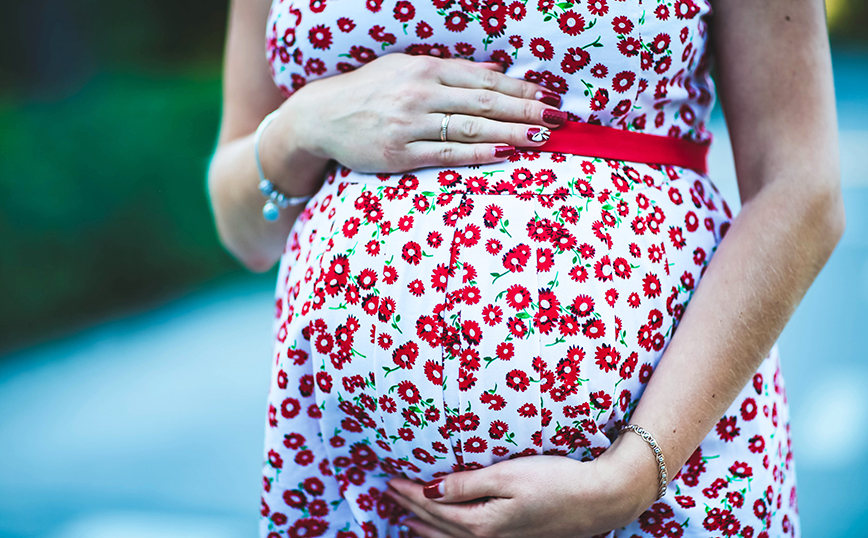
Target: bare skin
[{"x": 776, "y": 89}]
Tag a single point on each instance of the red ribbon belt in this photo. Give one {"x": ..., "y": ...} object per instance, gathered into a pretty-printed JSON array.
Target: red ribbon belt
[{"x": 590, "y": 140}]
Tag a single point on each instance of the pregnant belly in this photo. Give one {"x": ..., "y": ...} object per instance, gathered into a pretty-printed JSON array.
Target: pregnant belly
[{"x": 456, "y": 318}]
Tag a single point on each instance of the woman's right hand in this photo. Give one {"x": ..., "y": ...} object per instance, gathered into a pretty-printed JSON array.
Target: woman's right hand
[{"x": 386, "y": 116}]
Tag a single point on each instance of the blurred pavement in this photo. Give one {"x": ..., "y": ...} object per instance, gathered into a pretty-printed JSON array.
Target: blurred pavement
[{"x": 151, "y": 426}]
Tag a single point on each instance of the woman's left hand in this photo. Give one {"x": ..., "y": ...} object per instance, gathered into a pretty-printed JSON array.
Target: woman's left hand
[{"x": 536, "y": 496}]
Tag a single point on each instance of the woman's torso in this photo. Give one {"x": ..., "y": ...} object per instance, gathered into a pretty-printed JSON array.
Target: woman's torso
[{"x": 448, "y": 319}]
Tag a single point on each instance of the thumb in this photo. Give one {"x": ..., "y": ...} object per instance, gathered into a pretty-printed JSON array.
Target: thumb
[{"x": 465, "y": 486}]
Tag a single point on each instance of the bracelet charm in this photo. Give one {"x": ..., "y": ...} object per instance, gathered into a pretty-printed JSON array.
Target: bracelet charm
[{"x": 658, "y": 455}]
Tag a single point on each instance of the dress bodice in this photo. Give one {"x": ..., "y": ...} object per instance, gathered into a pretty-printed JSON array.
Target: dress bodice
[{"x": 640, "y": 65}]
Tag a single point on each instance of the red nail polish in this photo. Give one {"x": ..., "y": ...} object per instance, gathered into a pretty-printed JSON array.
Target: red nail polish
[
  {"x": 432, "y": 489},
  {"x": 500, "y": 152},
  {"x": 556, "y": 117},
  {"x": 549, "y": 98},
  {"x": 538, "y": 134}
]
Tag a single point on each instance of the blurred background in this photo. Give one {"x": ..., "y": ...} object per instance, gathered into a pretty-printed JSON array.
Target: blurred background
[{"x": 134, "y": 350}]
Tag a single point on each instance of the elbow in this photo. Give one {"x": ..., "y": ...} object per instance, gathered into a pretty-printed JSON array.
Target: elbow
[
  {"x": 232, "y": 237},
  {"x": 254, "y": 263},
  {"x": 825, "y": 209}
]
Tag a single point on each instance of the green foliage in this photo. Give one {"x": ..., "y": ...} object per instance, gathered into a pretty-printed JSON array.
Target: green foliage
[{"x": 103, "y": 200}]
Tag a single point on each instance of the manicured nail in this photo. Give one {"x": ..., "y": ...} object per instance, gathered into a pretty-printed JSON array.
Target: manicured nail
[
  {"x": 549, "y": 98},
  {"x": 555, "y": 117},
  {"x": 502, "y": 151},
  {"x": 538, "y": 134},
  {"x": 432, "y": 489}
]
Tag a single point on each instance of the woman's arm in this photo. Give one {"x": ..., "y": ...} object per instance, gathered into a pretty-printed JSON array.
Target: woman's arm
[
  {"x": 775, "y": 80},
  {"x": 776, "y": 89},
  {"x": 249, "y": 94},
  {"x": 383, "y": 117}
]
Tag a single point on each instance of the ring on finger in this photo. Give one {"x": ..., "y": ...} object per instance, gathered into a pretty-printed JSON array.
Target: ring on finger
[{"x": 444, "y": 126}]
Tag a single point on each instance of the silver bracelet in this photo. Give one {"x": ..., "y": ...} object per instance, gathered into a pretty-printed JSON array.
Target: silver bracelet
[
  {"x": 276, "y": 200},
  {"x": 648, "y": 438}
]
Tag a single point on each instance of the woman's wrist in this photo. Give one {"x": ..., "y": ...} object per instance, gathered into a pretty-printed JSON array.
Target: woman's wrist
[
  {"x": 285, "y": 156},
  {"x": 631, "y": 468}
]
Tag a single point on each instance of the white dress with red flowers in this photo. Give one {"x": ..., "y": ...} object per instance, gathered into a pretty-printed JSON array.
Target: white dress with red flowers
[{"x": 448, "y": 319}]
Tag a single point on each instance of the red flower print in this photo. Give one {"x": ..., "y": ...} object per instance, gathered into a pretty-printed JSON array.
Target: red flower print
[
  {"x": 475, "y": 445},
  {"x": 294, "y": 498},
  {"x": 740, "y": 469},
  {"x": 362, "y": 54},
  {"x": 600, "y": 99},
  {"x": 651, "y": 285},
  {"x": 424, "y": 30},
  {"x": 748, "y": 409},
  {"x": 320, "y": 37},
  {"x": 541, "y": 48},
  {"x": 727, "y": 429},
  {"x": 607, "y": 358},
  {"x": 456, "y": 21},
  {"x": 493, "y": 19},
  {"x": 516, "y": 11},
  {"x": 517, "y": 380},
  {"x": 405, "y": 355},
  {"x": 598, "y": 7},
  {"x": 629, "y": 46},
  {"x": 571, "y": 23},
  {"x": 623, "y": 81},
  {"x": 505, "y": 351},
  {"x": 404, "y": 11},
  {"x": 601, "y": 400},
  {"x": 622, "y": 25},
  {"x": 516, "y": 258},
  {"x": 575, "y": 59},
  {"x": 408, "y": 392},
  {"x": 518, "y": 297},
  {"x": 685, "y": 9},
  {"x": 527, "y": 410}
]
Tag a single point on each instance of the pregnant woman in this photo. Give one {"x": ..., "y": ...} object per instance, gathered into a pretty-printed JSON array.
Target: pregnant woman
[{"x": 490, "y": 217}]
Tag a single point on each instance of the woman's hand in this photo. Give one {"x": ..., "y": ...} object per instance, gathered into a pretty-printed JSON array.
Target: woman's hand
[
  {"x": 386, "y": 116},
  {"x": 537, "y": 496}
]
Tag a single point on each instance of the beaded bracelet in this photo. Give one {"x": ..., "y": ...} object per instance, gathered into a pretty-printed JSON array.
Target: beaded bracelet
[
  {"x": 276, "y": 199},
  {"x": 648, "y": 438}
]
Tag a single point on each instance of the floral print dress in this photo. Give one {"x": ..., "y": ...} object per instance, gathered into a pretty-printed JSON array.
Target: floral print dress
[{"x": 447, "y": 319}]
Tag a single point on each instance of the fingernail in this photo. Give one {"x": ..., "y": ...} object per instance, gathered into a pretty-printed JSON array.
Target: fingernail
[
  {"x": 499, "y": 152},
  {"x": 538, "y": 134},
  {"x": 432, "y": 489},
  {"x": 556, "y": 117},
  {"x": 549, "y": 98}
]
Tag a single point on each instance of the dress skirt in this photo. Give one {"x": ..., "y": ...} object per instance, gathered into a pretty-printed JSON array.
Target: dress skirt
[{"x": 447, "y": 319}]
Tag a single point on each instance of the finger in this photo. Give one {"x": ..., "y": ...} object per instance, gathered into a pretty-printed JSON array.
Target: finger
[
  {"x": 494, "y": 105},
  {"x": 467, "y": 486},
  {"x": 460, "y": 75},
  {"x": 494, "y": 66},
  {"x": 425, "y": 530},
  {"x": 474, "y": 129},
  {"x": 422, "y": 513},
  {"x": 424, "y": 153}
]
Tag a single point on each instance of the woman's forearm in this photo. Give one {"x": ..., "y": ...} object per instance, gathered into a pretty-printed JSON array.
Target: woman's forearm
[
  {"x": 233, "y": 185},
  {"x": 761, "y": 270}
]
